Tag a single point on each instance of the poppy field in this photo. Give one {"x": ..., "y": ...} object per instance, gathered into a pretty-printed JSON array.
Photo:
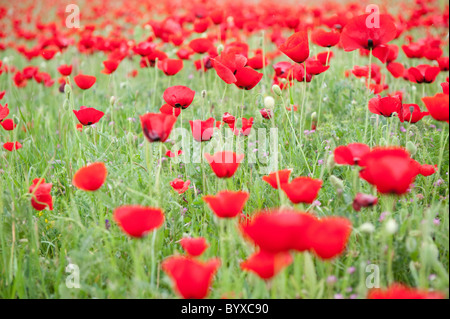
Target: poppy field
[{"x": 224, "y": 149}]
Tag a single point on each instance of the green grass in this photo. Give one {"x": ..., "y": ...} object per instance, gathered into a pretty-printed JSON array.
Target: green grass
[{"x": 35, "y": 248}]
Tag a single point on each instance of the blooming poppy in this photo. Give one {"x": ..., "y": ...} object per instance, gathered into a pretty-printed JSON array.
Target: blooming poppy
[
  {"x": 413, "y": 50},
  {"x": 179, "y": 96},
  {"x": 41, "y": 197},
  {"x": 2, "y": 94},
  {"x": 329, "y": 236},
  {"x": 179, "y": 185},
  {"x": 427, "y": 170},
  {"x": 201, "y": 45},
  {"x": 137, "y": 221},
  {"x": 11, "y": 146},
  {"x": 88, "y": 115},
  {"x": 266, "y": 113},
  {"x": 224, "y": 164},
  {"x": 391, "y": 170},
  {"x": 169, "y": 153},
  {"x": 90, "y": 177},
  {"x": 278, "y": 178},
  {"x": 385, "y": 106},
  {"x": 350, "y": 154},
  {"x": 423, "y": 73},
  {"x": 8, "y": 124},
  {"x": 65, "y": 69},
  {"x": 396, "y": 69},
  {"x": 399, "y": 291},
  {"x": 202, "y": 130},
  {"x": 364, "y": 200},
  {"x": 157, "y": 126},
  {"x": 167, "y": 109},
  {"x": 411, "y": 113},
  {"x": 443, "y": 63},
  {"x": 228, "y": 118},
  {"x": 192, "y": 278},
  {"x": 302, "y": 189},
  {"x": 438, "y": 107},
  {"x": 227, "y": 204},
  {"x": 4, "y": 111},
  {"x": 227, "y": 65},
  {"x": 194, "y": 246},
  {"x": 296, "y": 47},
  {"x": 110, "y": 66},
  {"x": 84, "y": 82},
  {"x": 247, "y": 78},
  {"x": 325, "y": 57},
  {"x": 245, "y": 129},
  {"x": 170, "y": 66},
  {"x": 266, "y": 264},
  {"x": 325, "y": 38}
]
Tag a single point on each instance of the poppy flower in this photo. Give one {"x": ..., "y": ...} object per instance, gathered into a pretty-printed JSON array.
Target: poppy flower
[
  {"x": 399, "y": 291},
  {"x": 137, "y": 221},
  {"x": 329, "y": 236},
  {"x": 171, "y": 154},
  {"x": 315, "y": 67},
  {"x": 179, "y": 185},
  {"x": 443, "y": 63},
  {"x": 228, "y": 118},
  {"x": 167, "y": 109},
  {"x": 2, "y": 94},
  {"x": 227, "y": 204},
  {"x": 110, "y": 66},
  {"x": 445, "y": 88},
  {"x": 41, "y": 197},
  {"x": 202, "y": 130},
  {"x": 324, "y": 38},
  {"x": 427, "y": 170},
  {"x": 282, "y": 68},
  {"x": 65, "y": 69},
  {"x": 396, "y": 69},
  {"x": 245, "y": 129},
  {"x": 144, "y": 48},
  {"x": 88, "y": 115},
  {"x": 170, "y": 66},
  {"x": 11, "y": 146},
  {"x": 411, "y": 113},
  {"x": 157, "y": 126},
  {"x": 179, "y": 96},
  {"x": 257, "y": 62},
  {"x": 227, "y": 65},
  {"x": 423, "y": 73},
  {"x": 266, "y": 264},
  {"x": 8, "y": 124},
  {"x": 90, "y": 177},
  {"x": 279, "y": 230},
  {"x": 48, "y": 54},
  {"x": 391, "y": 170},
  {"x": 192, "y": 278},
  {"x": 84, "y": 82},
  {"x": 359, "y": 34},
  {"x": 413, "y": 50},
  {"x": 194, "y": 246},
  {"x": 4, "y": 111},
  {"x": 302, "y": 189},
  {"x": 201, "y": 45},
  {"x": 350, "y": 154},
  {"x": 385, "y": 106},
  {"x": 247, "y": 78},
  {"x": 364, "y": 200},
  {"x": 224, "y": 164},
  {"x": 282, "y": 176},
  {"x": 296, "y": 47},
  {"x": 325, "y": 57},
  {"x": 437, "y": 105}
]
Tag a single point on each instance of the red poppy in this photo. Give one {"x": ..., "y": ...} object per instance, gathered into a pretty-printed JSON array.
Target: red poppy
[
  {"x": 2, "y": 93},
  {"x": 11, "y": 146},
  {"x": 4, "y": 111},
  {"x": 266, "y": 264},
  {"x": 41, "y": 197},
  {"x": 413, "y": 50},
  {"x": 396, "y": 69},
  {"x": 278, "y": 178},
  {"x": 359, "y": 34},
  {"x": 245, "y": 129},
  {"x": 202, "y": 130},
  {"x": 325, "y": 38},
  {"x": 157, "y": 126},
  {"x": 228, "y": 118},
  {"x": 296, "y": 47},
  {"x": 423, "y": 73},
  {"x": 110, "y": 66},
  {"x": 84, "y": 82},
  {"x": 427, "y": 170},
  {"x": 325, "y": 57},
  {"x": 445, "y": 87},
  {"x": 438, "y": 107},
  {"x": 179, "y": 96},
  {"x": 279, "y": 230},
  {"x": 48, "y": 54},
  {"x": 350, "y": 154},
  {"x": 194, "y": 246},
  {"x": 227, "y": 65},
  {"x": 90, "y": 177},
  {"x": 399, "y": 291},
  {"x": 329, "y": 236},
  {"x": 167, "y": 109},
  {"x": 179, "y": 185},
  {"x": 170, "y": 66},
  {"x": 144, "y": 48},
  {"x": 192, "y": 278},
  {"x": 443, "y": 63},
  {"x": 302, "y": 189},
  {"x": 315, "y": 67},
  {"x": 385, "y": 106},
  {"x": 364, "y": 200},
  {"x": 247, "y": 78},
  {"x": 201, "y": 45},
  {"x": 65, "y": 69},
  {"x": 391, "y": 170},
  {"x": 266, "y": 113},
  {"x": 257, "y": 62},
  {"x": 171, "y": 154},
  {"x": 411, "y": 113},
  {"x": 282, "y": 68},
  {"x": 227, "y": 204},
  {"x": 8, "y": 124},
  {"x": 224, "y": 164},
  {"x": 88, "y": 115},
  {"x": 137, "y": 221}
]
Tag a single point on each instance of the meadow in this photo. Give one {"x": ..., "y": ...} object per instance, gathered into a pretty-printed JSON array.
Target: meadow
[{"x": 78, "y": 248}]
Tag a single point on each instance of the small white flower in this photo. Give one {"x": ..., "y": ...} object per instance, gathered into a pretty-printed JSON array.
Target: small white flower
[
  {"x": 391, "y": 226},
  {"x": 367, "y": 228}
]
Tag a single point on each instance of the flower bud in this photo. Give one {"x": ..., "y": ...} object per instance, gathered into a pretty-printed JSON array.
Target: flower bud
[
  {"x": 276, "y": 89},
  {"x": 67, "y": 89},
  {"x": 429, "y": 254},
  {"x": 411, "y": 148},
  {"x": 337, "y": 183},
  {"x": 220, "y": 48},
  {"x": 66, "y": 105},
  {"x": 367, "y": 228},
  {"x": 411, "y": 244},
  {"x": 112, "y": 100},
  {"x": 330, "y": 162},
  {"x": 391, "y": 226},
  {"x": 204, "y": 94},
  {"x": 269, "y": 102}
]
